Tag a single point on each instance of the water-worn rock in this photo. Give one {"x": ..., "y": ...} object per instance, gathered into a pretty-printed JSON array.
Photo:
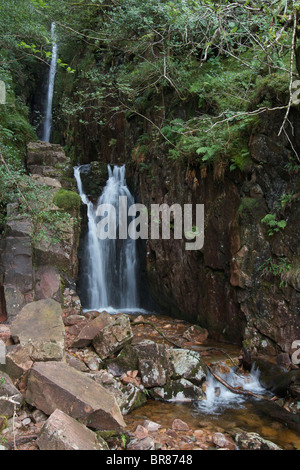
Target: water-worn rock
[
  {"x": 146, "y": 443},
  {"x": 222, "y": 441},
  {"x": 153, "y": 363},
  {"x": 253, "y": 441},
  {"x": 88, "y": 332},
  {"x": 195, "y": 333},
  {"x": 54, "y": 385},
  {"x": 61, "y": 432},
  {"x": 151, "y": 426},
  {"x": 180, "y": 425},
  {"x": 8, "y": 390},
  {"x": 113, "y": 336},
  {"x": 187, "y": 364},
  {"x": 40, "y": 325}
]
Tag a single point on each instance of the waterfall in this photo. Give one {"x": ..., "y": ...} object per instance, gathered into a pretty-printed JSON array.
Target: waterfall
[
  {"x": 48, "y": 114},
  {"x": 111, "y": 263}
]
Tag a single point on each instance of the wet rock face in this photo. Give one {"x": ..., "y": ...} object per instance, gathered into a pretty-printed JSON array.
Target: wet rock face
[{"x": 223, "y": 287}]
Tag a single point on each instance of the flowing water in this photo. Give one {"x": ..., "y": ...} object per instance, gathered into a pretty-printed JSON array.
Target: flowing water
[
  {"x": 111, "y": 263},
  {"x": 111, "y": 285},
  {"x": 47, "y": 125}
]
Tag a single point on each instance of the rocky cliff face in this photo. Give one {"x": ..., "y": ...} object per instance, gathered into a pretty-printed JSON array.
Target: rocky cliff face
[
  {"x": 34, "y": 265},
  {"x": 243, "y": 286}
]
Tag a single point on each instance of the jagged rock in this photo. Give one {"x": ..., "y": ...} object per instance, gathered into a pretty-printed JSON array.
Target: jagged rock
[
  {"x": 128, "y": 397},
  {"x": 113, "y": 336},
  {"x": 5, "y": 334},
  {"x": 91, "y": 359},
  {"x": 19, "y": 226},
  {"x": 48, "y": 283},
  {"x": 61, "y": 432},
  {"x": 54, "y": 385},
  {"x": 253, "y": 441},
  {"x": 18, "y": 361},
  {"x": 73, "y": 319},
  {"x": 7, "y": 389},
  {"x": 88, "y": 332},
  {"x": 187, "y": 364},
  {"x": 177, "y": 390},
  {"x": 17, "y": 271},
  {"x": 76, "y": 363},
  {"x": 45, "y": 159},
  {"x": 40, "y": 325},
  {"x": 126, "y": 360},
  {"x": 45, "y": 180},
  {"x": 153, "y": 363},
  {"x": 63, "y": 255}
]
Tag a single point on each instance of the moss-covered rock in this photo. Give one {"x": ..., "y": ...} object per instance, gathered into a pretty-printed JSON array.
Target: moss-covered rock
[{"x": 67, "y": 200}]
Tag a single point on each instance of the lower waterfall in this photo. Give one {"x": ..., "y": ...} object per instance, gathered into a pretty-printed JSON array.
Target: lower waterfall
[{"x": 111, "y": 264}]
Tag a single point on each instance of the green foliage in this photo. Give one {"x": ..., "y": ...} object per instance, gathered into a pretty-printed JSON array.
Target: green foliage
[
  {"x": 278, "y": 269},
  {"x": 273, "y": 221},
  {"x": 67, "y": 200},
  {"x": 273, "y": 224}
]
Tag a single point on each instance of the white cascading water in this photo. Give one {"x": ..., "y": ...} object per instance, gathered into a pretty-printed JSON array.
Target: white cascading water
[
  {"x": 112, "y": 277},
  {"x": 47, "y": 125},
  {"x": 218, "y": 397}
]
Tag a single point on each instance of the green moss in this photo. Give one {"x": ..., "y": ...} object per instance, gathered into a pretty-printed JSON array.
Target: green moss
[
  {"x": 247, "y": 208},
  {"x": 3, "y": 420},
  {"x": 67, "y": 200}
]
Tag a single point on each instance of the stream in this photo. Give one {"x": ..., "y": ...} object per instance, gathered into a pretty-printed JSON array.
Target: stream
[{"x": 221, "y": 410}]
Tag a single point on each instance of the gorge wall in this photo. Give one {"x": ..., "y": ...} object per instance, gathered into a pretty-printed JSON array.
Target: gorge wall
[{"x": 243, "y": 286}]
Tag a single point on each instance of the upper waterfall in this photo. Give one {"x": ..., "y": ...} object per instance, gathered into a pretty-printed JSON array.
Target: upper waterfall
[{"x": 47, "y": 125}]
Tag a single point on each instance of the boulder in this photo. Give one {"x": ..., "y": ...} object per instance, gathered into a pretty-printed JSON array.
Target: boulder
[
  {"x": 61, "y": 432},
  {"x": 8, "y": 390},
  {"x": 113, "y": 336},
  {"x": 177, "y": 391},
  {"x": 53, "y": 385},
  {"x": 126, "y": 360},
  {"x": 222, "y": 441},
  {"x": 40, "y": 325},
  {"x": 187, "y": 364},
  {"x": 253, "y": 441},
  {"x": 195, "y": 334},
  {"x": 5, "y": 334},
  {"x": 88, "y": 332},
  {"x": 91, "y": 359},
  {"x": 18, "y": 361},
  {"x": 129, "y": 397},
  {"x": 153, "y": 363},
  {"x": 147, "y": 443}
]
